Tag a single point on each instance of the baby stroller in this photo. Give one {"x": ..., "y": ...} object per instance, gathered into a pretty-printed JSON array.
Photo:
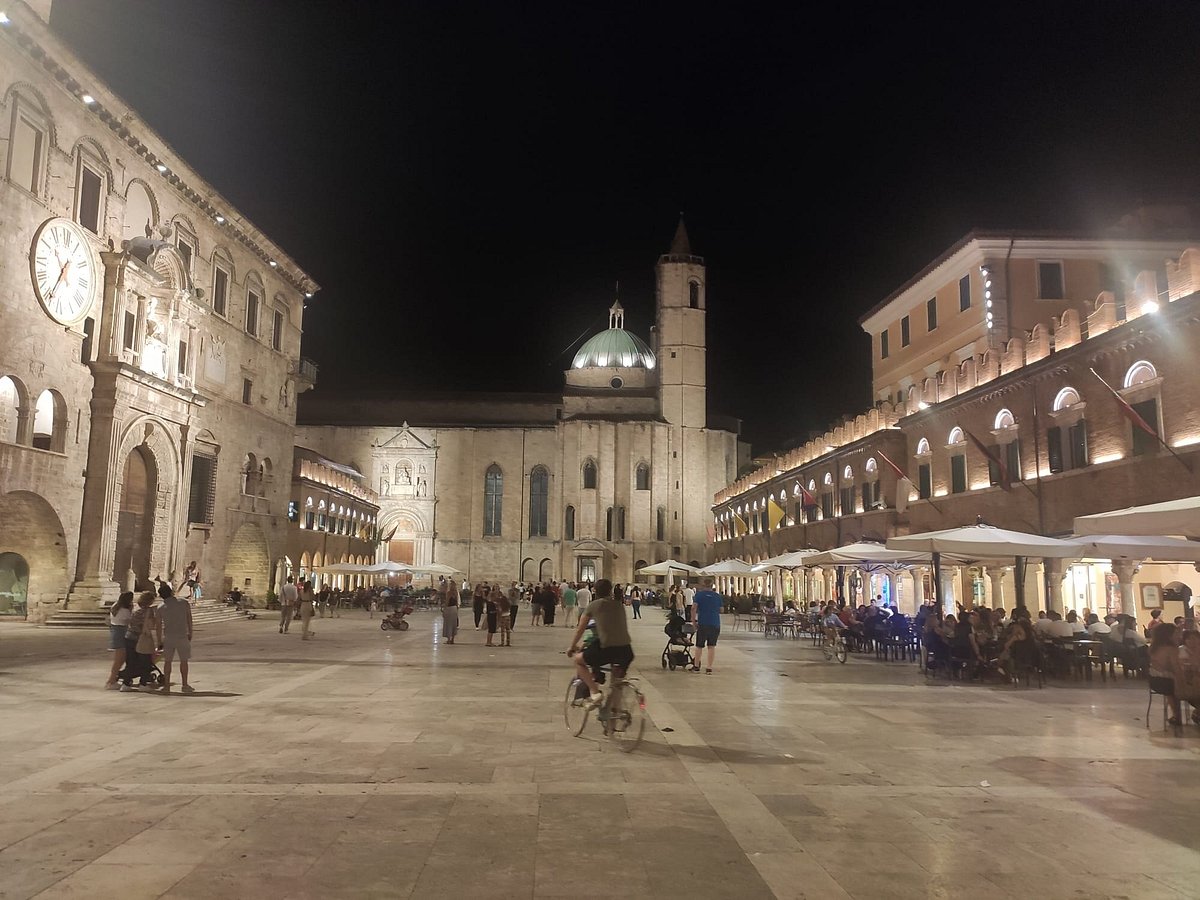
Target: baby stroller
[
  {"x": 396, "y": 620},
  {"x": 677, "y": 653}
]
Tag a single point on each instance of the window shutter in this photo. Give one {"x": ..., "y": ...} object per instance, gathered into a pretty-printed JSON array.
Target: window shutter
[
  {"x": 1054, "y": 448},
  {"x": 1079, "y": 447}
]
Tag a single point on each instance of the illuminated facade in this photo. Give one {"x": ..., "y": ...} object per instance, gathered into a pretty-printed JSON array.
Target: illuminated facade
[
  {"x": 332, "y": 518},
  {"x": 1051, "y": 427}
]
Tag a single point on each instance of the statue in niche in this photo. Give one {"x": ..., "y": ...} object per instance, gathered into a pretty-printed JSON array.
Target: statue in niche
[
  {"x": 404, "y": 475},
  {"x": 383, "y": 487},
  {"x": 284, "y": 398},
  {"x": 421, "y": 487},
  {"x": 154, "y": 347}
]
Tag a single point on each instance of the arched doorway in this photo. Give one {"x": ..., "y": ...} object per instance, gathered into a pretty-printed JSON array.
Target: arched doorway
[
  {"x": 33, "y": 555},
  {"x": 248, "y": 564},
  {"x": 545, "y": 570},
  {"x": 135, "y": 520}
]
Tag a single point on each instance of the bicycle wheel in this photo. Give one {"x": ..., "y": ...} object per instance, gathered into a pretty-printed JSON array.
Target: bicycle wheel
[
  {"x": 575, "y": 708},
  {"x": 827, "y": 649},
  {"x": 839, "y": 650},
  {"x": 626, "y": 716}
]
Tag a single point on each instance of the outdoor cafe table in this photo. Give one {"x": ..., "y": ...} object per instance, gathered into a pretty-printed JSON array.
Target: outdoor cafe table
[{"x": 1079, "y": 655}]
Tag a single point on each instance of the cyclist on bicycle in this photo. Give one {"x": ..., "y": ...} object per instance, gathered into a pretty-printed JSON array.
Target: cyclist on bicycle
[
  {"x": 832, "y": 623},
  {"x": 613, "y": 646}
]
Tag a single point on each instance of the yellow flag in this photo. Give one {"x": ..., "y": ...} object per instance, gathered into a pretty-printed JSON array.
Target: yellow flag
[
  {"x": 775, "y": 514},
  {"x": 739, "y": 525}
]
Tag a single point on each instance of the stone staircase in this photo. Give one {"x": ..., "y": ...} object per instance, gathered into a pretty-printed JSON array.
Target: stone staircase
[{"x": 205, "y": 612}]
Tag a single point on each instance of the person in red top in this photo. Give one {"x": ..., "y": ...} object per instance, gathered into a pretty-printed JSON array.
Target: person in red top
[{"x": 846, "y": 615}]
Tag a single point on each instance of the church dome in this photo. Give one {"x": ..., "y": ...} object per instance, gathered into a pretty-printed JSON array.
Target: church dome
[{"x": 615, "y": 348}]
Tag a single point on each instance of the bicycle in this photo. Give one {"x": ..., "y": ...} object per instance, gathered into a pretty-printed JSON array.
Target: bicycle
[
  {"x": 622, "y": 712},
  {"x": 835, "y": 648}
]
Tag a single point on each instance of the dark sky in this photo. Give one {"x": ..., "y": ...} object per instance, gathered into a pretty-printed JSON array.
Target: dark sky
[{"x": 467, "y": 182}]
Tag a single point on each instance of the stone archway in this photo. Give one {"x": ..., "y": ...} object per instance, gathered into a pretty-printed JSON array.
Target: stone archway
[
  {"x": 33, "y": 555},
  {"x": 248, "y": 564}
]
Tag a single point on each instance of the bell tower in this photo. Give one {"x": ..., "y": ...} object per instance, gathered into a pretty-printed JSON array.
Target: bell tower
[{"x": 682, "y": 389}]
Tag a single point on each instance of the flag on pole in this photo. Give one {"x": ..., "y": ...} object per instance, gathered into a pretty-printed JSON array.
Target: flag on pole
[
  {"x": 1005, "y": 477},
  {"x": 739, "y": 526},
  {"x": 807, "y": 500},
  {"x": 1130, "y": 413},
  {"x": 903, "y": 485},
  {"x": 775, "y": 514}
]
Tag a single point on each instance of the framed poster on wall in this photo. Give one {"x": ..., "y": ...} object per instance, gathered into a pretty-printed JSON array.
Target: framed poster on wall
[{"x": 1152, "y": 597}]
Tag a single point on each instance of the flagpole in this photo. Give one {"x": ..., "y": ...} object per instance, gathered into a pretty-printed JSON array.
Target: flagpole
[
  {"x": 1129, "y": 410},
  {"x": 900, "y": 474}
]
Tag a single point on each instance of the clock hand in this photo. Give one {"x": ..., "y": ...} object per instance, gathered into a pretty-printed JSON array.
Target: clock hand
[{"x": 61, "y": 275}]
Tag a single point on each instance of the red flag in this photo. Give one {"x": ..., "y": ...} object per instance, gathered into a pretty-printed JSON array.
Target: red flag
[
  {"x": 1005, "y": 478},
  {"x": 807, "y": 499},
  {"x": 895, "y": 468},
  {"x": 1130, "y": 413}
]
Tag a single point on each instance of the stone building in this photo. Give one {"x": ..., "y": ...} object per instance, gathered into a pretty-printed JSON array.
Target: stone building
[
  {"x": 611, "y": 475},
  {"x": 149, "y": 349},
  {"x": 954, "y": 375},
  {"x": 332, "y": 518}
]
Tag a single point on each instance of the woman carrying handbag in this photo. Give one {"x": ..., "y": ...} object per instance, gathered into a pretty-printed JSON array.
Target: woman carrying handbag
[{"x": 139, "y": 643}]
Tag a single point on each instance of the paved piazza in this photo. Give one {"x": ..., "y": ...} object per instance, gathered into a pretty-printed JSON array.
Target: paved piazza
[{"x": 373, "y": 764}]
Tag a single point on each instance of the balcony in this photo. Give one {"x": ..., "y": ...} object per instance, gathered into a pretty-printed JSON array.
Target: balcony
[{"x": 304, "y": 371}]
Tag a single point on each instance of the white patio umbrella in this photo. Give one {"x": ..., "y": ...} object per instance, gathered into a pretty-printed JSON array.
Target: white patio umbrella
[
  {"x": 668, "y": 567},
  {"x": 866, "y": 555},
  {"x": 729, "y": 567},
  {"x": 434, "y": 569},
  {"x": 793, "y": 559},
  {"x": 975, "y": 542},
  {"x": 1180, "y": 517},
  {"x": 1139, "y": 546}
]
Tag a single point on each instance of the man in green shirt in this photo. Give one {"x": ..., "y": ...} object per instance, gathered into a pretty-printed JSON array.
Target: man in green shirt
[
  {"x": 614, "y": 644},
  {"x": 569, "y": 603}
]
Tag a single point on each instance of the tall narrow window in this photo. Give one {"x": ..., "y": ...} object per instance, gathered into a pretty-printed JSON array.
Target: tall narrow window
[
  {"x": 931, "y": 313},
  {"x": 247, "y": 391},
  {"x": 187, "y": 249},
  {"x": 203, "y": 494},
  {"x": 609, "y": 519},
  {"x": 539, "y": 501},
  {"x": 958, "y": 473},
  {"x": 924, "y": 481},
  {"x": 181, "y": 361},
  {"x": 220, "y": 290},
  {"x": 905, "y": 332},
  {"x": 129, "y": 330},
  {"x": 1077, "y": 435},
  {"x": 493, "y": 501},
  {"x": 694, "y": 294},
  {"x": 883, "y": 345},
  {"x": 847, "y": 500},
  {"x": 1143, "y": 442},
  {"x": 91, "y": 189},
  {"x": 827, "y": 505},
  {"x": 660, "y": 525},
  {"x": 964, "y": 293},
  {"x": 252, "y": 302},
  {"x": 642, "y": 479},
  {"x": 589, "y": 475},
  {"x": 1051, "y": 284},
  {"x": 277, "y": 330},
  {"x": 569, "y": 523},
  {"x": 25, "y": 153}
]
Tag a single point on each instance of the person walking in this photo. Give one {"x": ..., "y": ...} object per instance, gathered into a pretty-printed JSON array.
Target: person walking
[
  {"x": 118, "y": 622},
  {"x": 635, "y": 599},
  {"x": 478, "y": 602},
  {"x": 514, "y": 604},
  {"x": 139, "y": 644},
  {"x": 323, "y": 600},
  {"x": 491, "y": 611},
  {"x": 307, "y": 603},
  {"x": 569, "y": 599},
  {"x": 706, "y": 617},
  {"x": 174, "y": 630},
  {"x": 503, "y": 619},
  {"x": 583, "y": 596},
  {"x": 288, "y": 597},
  {"x": 450, "y": 614},
  {"x": 549, "y": 603},
  {"x": 535, "y": 606}
]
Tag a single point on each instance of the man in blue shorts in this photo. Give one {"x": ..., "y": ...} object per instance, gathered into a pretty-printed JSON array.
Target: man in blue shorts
[{"x": 706, "y": 617}]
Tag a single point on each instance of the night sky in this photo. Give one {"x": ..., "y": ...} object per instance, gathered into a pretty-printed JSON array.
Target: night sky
[{"x": 468, "y": 182}]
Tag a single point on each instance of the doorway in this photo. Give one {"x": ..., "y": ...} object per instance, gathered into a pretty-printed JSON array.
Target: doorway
[
  {"x": 14, "y": 584},
  {"x": 135, "y": 519}
]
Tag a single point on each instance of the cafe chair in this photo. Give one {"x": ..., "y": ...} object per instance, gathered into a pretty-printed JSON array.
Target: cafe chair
[{"x": 1165, "y": 688}]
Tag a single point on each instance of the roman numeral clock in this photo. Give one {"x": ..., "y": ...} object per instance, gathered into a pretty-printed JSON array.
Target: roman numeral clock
[{"x": 64, "y": 270}]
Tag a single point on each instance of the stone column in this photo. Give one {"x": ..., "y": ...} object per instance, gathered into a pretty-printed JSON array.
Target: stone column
[
  {"x": 948, "y": 604},
  {"x": 996, "y": 576},
  {"x": 1124, "y": 570},
  {"x": 1054, "y": 580},
  {"x": 918, "y": 577},
  {"x": 93, "y": 583},
  {"x": 892, "y": 583}
]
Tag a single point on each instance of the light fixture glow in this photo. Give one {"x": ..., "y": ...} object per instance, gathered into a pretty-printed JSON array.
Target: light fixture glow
[
  {"x": 272, "y": 263},
  {"x": 88, "y": 99},
  {"x": 1149, "y": 306},
  {"x": 161, "y": 167},
  {"x": 987, "y": 295},
  {"x": 989, "y": 304},
  {"x": 1110, "y": 457},
  {"x": 987, "y": 283},
  {"x": 4, "y": 19},
  {"x": 308, "y": 294},
  {"x": 220, "y": 220},
  {"x": 922, "y": 405}
]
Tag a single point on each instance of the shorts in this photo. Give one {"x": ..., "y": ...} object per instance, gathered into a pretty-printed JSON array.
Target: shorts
[
  {"x": 177, "y": 646},
  {"x": 116, "y": 637},
  {"x": 706, "y": 635},
  {"x": 596, "y": 656}
]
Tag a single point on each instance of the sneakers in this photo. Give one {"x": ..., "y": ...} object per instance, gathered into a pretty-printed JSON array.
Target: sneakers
[
  {"x": 708, "y": 671},
  {"x": 188, "y": 689},
  {"x": 124, "y": 687},
  {"x": 595, "y": 700}
]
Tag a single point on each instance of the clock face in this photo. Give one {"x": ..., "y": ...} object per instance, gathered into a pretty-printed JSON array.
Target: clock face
[{"x": 64, "y": 270}]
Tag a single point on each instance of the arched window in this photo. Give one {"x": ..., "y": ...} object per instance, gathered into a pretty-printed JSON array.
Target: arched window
[
  {"x": 589, "y": 475},
  {"x": 848, "y": 474},
  {"x": 828, "y": 478},
  {"x": 956, "y": 436},
  {"x": 694, "y": 294},
  {"x": 493, "y": 500},
  {"x": 870, "y": 488},
  {"x": 1066, "y": 398},
  {"x": 569, "y": 523},
  {"x": 1004, "y": 419},
  {"x": 615, "y": 524},
  {"x": 250, "y": 476},
  {"x": 1140, "y": 372},
  {"x": 50, "y": 422},
  {"x": 539, "y": 501},
  {"x": 872, "y": 467},
  {"x": 642, "y": 478},
  {"x": 958, "y": 462},
  {"x": 660, "y": 525},
  {"x": 923, "y": 447}
]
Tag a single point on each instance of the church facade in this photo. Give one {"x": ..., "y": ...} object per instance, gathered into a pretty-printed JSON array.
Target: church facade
[{"x": 615, "y": 473}]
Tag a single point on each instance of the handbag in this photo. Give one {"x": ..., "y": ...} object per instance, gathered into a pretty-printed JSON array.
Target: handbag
[{"x": 145, "y": 641}]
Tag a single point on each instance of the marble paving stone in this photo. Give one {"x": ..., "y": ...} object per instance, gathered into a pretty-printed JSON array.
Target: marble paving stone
[{"x": 367, "y": 764}]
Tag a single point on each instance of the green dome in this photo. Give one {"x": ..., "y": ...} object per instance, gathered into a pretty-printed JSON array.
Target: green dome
[{"x": 615, "y": 348}]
